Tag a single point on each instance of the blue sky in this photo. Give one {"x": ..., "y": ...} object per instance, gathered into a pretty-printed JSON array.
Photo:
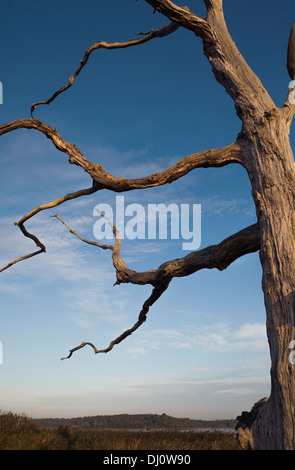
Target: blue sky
[{"x": 203, "y": 351}]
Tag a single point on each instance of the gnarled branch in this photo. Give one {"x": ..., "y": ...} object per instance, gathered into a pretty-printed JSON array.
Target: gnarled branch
[
  {"x": 123, "y": 273},
  {"x": 32, "y": 237},
  {"x": 184, "y": 17},
  {"x": 218, "y": 256},
  {"x": 228, "y": 65},
  {"x": 238, "y": 80},
  {"x": 35, "y": 211},
  {"x": 104, "y": 180},
  {"x": 154, "y": 33},
  {"x": 57, "y": 202},
  {"x": 161, "y": 286}
]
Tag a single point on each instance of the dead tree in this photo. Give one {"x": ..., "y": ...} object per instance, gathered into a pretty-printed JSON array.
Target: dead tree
[{"x": 263, "y": 149}]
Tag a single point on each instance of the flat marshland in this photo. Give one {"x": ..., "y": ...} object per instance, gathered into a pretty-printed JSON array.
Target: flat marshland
[{"x": 19, "y": 432}]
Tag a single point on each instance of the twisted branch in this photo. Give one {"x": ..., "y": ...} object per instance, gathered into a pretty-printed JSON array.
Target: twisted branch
[
  {"x": 218, "y": 256},
  {"x": 32, "y": 237},
  {"x": 162, "y": 285},
  {"x": 35, "y": 211},
  {"x": 154, "y": 33},
  {"x": 103, "y": 180},
  {"x": 123, "y": 273},
  {"x": 57, "y": 202},
  {"x": 184, "y": 17}
]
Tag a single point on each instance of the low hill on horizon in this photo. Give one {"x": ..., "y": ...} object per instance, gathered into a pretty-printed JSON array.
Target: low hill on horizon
[{"x": 137, "y": 421}]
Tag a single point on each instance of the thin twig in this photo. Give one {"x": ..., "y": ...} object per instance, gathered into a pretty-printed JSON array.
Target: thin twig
[
  {"x": 123, "y": 273},
  {"x": 58, "y": 202},
  {"x": 89, "y": 242},
  {"x": 36, "y": 241},
  {"x": 21, "y": 259}
]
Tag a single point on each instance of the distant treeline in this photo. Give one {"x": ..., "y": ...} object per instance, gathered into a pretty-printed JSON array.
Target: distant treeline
[
  {"x": 19, "y": 432},
  {"x": 139, "y": 421}
]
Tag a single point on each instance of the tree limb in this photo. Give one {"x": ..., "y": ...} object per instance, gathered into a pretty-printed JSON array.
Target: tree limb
[
  {"x": 21, "y": 259},
  {"x": 228, "y": 65},
  {"x": 104, "y": 180},
  {"x": 57, "y": 202},
  {"x": 43, "y": 207},
  {"x": 154, "y": 33},
  {"x": 206, "y": 159},
  {"x": 156, "y": 293},
  {"x": 75, "y": 155},
  {"x": 218, "y": 256},
  {"x": 89, "y": 242},
  {"x": 32, "y": 237},
  {"x": 184, "y": 17},
  {"x": 123, "y": 273}
]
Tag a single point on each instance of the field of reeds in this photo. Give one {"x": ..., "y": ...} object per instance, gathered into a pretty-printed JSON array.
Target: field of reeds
[{"x": 19, "y": 432}]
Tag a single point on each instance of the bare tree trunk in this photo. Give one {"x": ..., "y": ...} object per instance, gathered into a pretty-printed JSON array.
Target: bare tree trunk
[
  {"x": 271, "y": 169},
  {"x": 267, "y": 155}
]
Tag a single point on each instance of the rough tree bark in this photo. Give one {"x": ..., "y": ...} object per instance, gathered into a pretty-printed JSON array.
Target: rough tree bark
[
  {"x": 268, "y": 159},
  {"x": 263, "y": 149}
]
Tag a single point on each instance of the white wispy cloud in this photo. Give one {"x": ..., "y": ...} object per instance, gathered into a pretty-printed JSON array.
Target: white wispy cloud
[
  {"x": 247, "y": 337},
  {"x": 138, "y": 351},
  {"x": 220, "y": 206},
  {"x": 83, "y": 276},
  {"x": 222, "y": 338}
]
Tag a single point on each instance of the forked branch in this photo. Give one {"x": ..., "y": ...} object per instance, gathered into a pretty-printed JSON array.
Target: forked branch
[
  {"x": 123, "y": 273},
  {"x": 218, "y": 256},
  {"x": 184, "y": 17},
  {"x": 104, "y": 180},
  {"x": 240, "y": 82},
  {"x": 156, "y": 293},
  {"x": 35, "y": 211}
]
